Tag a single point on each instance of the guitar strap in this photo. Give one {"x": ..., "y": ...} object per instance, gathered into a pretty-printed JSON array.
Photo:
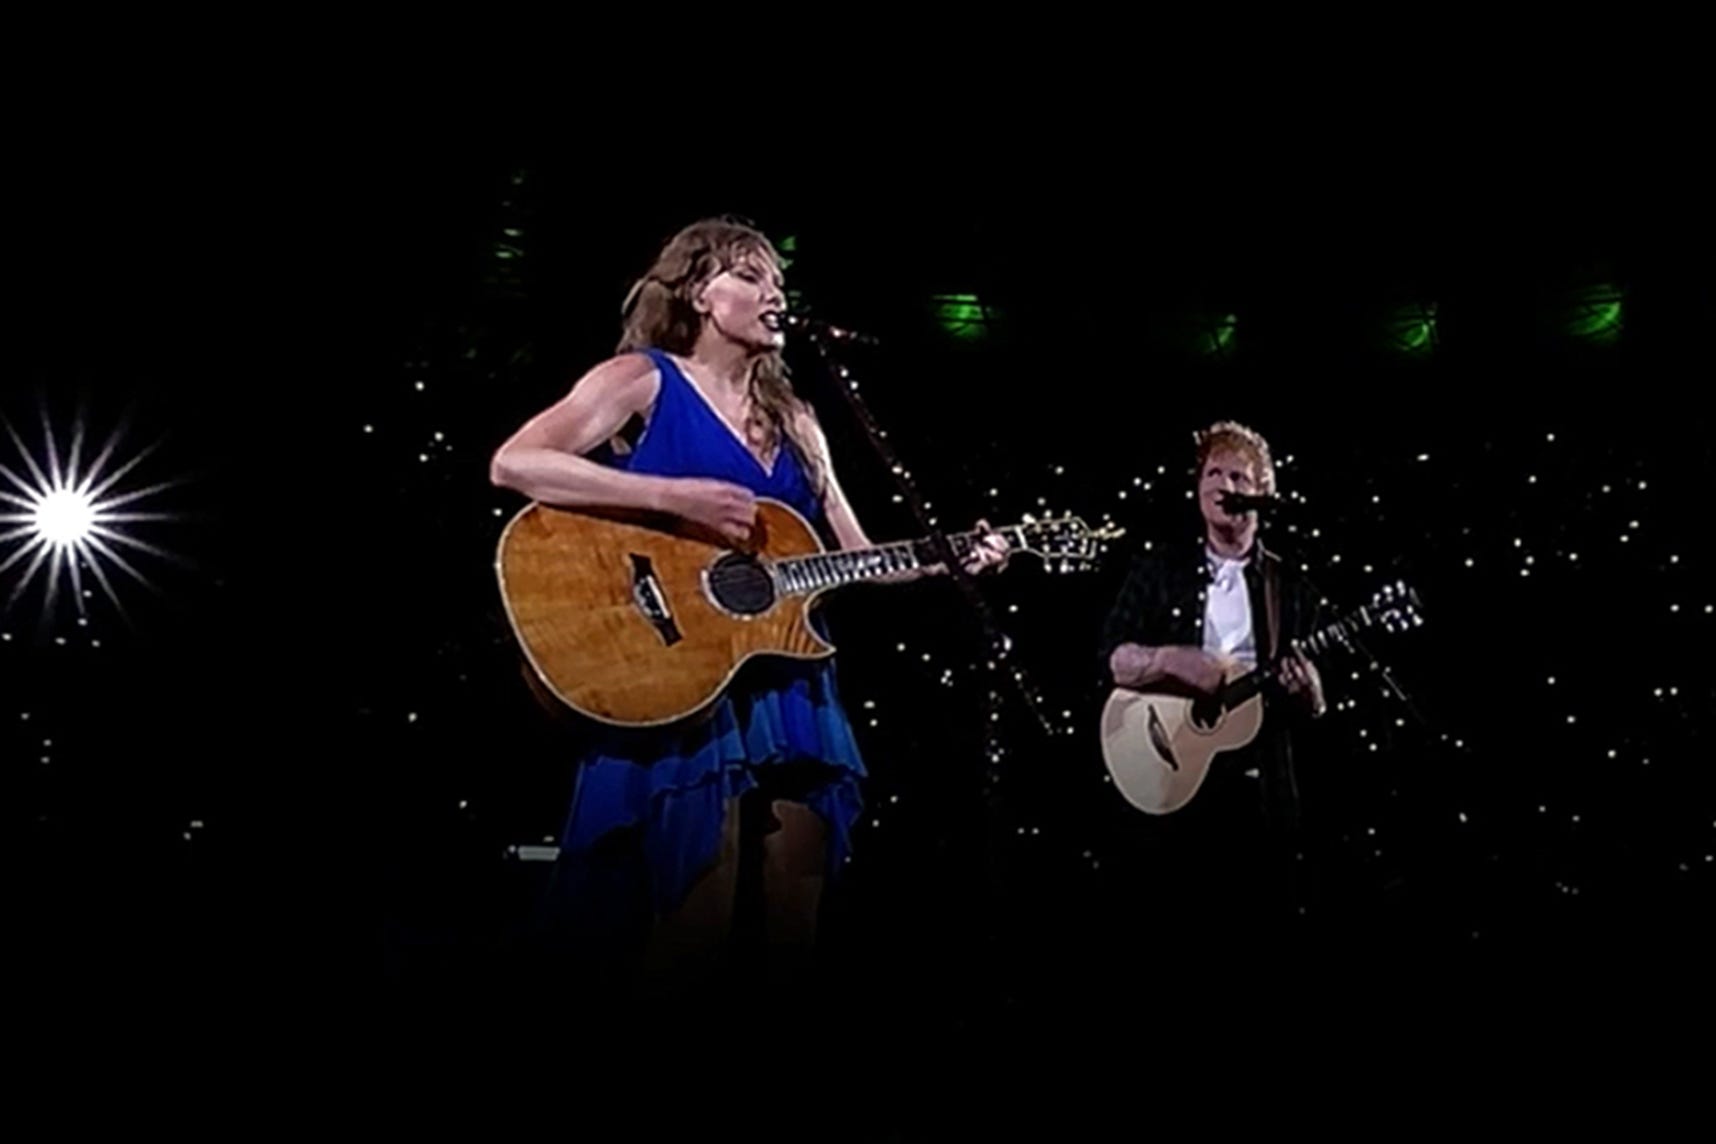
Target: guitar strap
[
  {"x": 1271, "y": 605},
  {"x": 1280, "y": 784}
]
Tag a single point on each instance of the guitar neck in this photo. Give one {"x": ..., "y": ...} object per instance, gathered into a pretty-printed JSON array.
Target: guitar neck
[
  {"x": 801, "y": 575},
  {"x": 1239, "y": 690}
]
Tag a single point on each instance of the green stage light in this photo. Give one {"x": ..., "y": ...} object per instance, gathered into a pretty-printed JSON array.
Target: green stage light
[
  {"x": 1593, "y": 315},
  {"x": 962, "y": 316},
  {"x": 1410, "y": 330},
  {"x": 1216, "y": 337}
]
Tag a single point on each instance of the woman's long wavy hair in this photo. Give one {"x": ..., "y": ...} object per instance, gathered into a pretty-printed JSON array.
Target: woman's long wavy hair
[{"x": 658, "y": 313}]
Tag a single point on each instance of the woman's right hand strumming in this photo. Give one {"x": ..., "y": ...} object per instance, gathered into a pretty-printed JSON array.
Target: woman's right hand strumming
[{"x": 727, "y": 509}]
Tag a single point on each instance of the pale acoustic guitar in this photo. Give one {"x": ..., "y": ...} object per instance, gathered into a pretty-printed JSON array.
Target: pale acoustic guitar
[
  {"x": 1159, "y": 744},
  {"x": 640, "y": 620}
]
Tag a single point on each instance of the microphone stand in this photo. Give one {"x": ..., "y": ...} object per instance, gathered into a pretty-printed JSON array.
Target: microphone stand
[
  {"x": 1380, "y": 669},
  {"x": 998, "y": 643},
  {"x": 994, "y": 822}
]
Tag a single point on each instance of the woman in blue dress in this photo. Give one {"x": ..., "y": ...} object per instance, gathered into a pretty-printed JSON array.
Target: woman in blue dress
[{"x": 695, "y": 417}]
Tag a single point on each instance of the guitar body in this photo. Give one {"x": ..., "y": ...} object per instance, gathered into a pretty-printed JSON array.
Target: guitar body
[
  {"x": 628, "y": 618},
  {"x": 1159, "y": 746}
]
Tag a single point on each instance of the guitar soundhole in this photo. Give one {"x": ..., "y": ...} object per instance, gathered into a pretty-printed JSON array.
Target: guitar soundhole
[
  {"x": 741, "y": 585},
  {"x": 1206, "y": 713}
]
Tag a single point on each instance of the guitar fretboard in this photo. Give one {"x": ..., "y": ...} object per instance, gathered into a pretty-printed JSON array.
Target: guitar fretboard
[
  {"x": 1340, "y": 632},
  {"x": 799, "y": 575}
]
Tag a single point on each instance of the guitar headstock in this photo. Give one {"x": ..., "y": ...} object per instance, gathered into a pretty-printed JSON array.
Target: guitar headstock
[
  {"x": 1394, "y": 608},
  {"x": 1064, "y": 544}
]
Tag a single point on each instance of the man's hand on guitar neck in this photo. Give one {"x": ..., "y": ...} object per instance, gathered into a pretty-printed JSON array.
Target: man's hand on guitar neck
[
  {"x": 1302, "y": 681},
  {"x": 1137, "y": 667}
]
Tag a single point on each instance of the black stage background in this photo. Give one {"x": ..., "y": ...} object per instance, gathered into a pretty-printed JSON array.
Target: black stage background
[{"x": 309, "y": 754}]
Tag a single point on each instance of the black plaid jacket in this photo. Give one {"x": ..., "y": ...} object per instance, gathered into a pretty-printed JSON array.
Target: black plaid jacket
[{"x": 1162, "y": 604}]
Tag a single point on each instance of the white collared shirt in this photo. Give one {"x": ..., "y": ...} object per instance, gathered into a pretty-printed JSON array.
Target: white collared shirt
[{"x": 1227, "y": 610}]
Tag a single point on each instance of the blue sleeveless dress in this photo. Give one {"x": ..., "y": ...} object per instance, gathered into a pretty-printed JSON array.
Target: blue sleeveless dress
[{"x": 675, "y": 782}]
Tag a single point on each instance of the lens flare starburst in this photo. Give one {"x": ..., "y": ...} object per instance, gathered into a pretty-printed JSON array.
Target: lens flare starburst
[{"x": 63, "y": 517}]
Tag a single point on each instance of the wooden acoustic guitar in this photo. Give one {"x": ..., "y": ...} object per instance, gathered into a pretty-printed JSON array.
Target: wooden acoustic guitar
[
  {"x": 641, "y": 620},
  {"x": 1159, "y": 744}
]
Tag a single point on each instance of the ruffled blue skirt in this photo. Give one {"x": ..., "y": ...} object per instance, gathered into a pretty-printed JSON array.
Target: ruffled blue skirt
[{"x": 674, "y": 783}]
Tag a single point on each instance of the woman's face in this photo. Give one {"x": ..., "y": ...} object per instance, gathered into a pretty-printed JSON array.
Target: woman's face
[{"x": 745, "y": 303}]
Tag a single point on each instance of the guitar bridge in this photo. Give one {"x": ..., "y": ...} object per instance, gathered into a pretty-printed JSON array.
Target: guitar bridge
[{"x": 647, "y": 595}]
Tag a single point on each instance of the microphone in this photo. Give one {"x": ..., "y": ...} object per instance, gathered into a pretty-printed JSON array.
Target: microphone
[
  {"x": 816, "y": 327},
  {"x": 1237, "y": 503}
]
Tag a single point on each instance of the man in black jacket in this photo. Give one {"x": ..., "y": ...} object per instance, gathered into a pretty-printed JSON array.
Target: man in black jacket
[{"x": 1221, "y": 870}]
